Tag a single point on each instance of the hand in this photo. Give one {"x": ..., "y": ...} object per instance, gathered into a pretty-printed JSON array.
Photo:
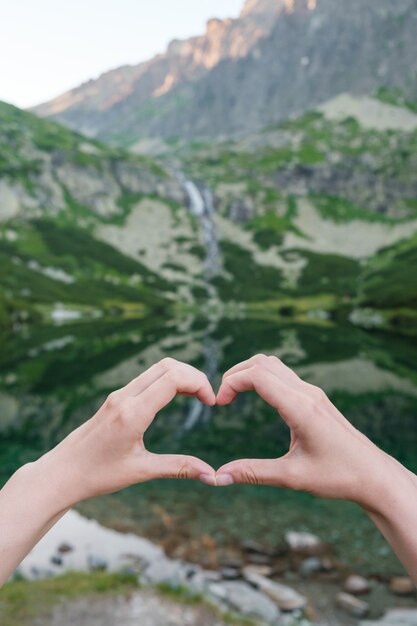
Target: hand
[
  {"x": 107, "y": 453},
  {"x": 327, "y": 457}
]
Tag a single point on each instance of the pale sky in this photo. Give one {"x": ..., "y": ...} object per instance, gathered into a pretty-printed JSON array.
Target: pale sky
[{"x": 50, "y": 46}]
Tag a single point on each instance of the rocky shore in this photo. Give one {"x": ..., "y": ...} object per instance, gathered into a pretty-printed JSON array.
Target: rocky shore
[{"x": 299, "y": 583}]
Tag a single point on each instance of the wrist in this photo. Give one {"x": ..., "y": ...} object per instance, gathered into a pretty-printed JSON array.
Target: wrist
[
  {"x": 389, "y": 490},
  {"x": 47, "y": 479}
]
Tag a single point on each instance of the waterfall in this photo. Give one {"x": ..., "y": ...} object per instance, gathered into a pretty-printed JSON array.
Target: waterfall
[{"x": 202, "y": 207}]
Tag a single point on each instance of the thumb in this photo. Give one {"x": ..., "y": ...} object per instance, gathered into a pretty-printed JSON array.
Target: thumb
[
  {"x": 179, "y": 466},
  {"x": 254, "y": 472}
]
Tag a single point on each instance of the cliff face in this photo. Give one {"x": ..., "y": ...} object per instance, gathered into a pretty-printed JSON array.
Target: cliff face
[
  {"x": 131, "y": 89},
  {"x": 278, "y": 58}
]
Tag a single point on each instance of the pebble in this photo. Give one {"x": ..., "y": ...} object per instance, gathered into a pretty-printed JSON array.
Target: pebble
[
  {"x": 257, "y": 548},
  {"x": 259, "y": 559},
  {"x": 230, "y": 573},
  {"x": 395, "y": 617},
  {"x": 402, "y": 586},
  {"x": 304, "y": 542},
  {"x": 261, "y": 570},
  {"x": 310, "y": 566},
  {"x": 63, "y": 548},
  {"x": 353, "y": 606},
  {"x": 287, "y": 598},
  {"x": 356, "y": 585},
  {"x": 96, "y": 563}
]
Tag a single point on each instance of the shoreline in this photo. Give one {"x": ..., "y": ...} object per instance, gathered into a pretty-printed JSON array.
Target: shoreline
[{"x": 247, "y": 590}]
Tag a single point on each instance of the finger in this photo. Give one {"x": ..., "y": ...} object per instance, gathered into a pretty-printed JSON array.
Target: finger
[
  {"x": 271, "y": 363},
  {"x": 255, "y": 472},
  {"x": 179, "y": 466},
  {"x": 147, "y": 378},
  {"x": 165, "y": 388},
  {"x": 291, "y": 404}
]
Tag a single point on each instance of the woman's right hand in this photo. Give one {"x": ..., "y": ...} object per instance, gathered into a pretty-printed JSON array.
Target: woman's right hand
[{"x": 107, "y": 453}]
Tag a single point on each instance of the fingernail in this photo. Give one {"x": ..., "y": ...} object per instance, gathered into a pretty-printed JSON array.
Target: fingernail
[
  {"x": 223, "y": 480},
  {"x": 208, "y": 479}
]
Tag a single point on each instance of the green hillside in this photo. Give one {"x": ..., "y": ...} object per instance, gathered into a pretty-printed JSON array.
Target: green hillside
[{"x": 315, "y": 218}]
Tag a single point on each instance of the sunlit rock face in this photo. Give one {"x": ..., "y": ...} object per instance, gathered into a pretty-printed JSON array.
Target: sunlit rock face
[{"x": 243, "y": 74}]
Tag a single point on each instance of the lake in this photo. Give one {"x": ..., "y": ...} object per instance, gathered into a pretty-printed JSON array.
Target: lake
[{"x": 52, "y": 378}]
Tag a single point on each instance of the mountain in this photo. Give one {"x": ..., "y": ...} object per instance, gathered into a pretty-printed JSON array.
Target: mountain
[
  {"x": 279, "y": 58},
  {"x": 57, "y": 189},
  {"x": 313, "y": 218}
]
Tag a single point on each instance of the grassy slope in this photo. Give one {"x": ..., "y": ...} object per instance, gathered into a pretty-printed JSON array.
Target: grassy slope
[
  {"x": 303, "y": 149},
  {"x": 100, "y": 277}
]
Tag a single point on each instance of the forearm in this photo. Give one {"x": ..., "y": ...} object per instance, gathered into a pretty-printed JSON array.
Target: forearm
[
  {"x": 395, "y": 513},
  {"x": 31, "y": 502}
]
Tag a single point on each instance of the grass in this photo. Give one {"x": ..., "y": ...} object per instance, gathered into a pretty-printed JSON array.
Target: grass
[
  {"x": 249, "y": 281},
  {"x": 101, "y": 275},
  {"x": 21, "y": 601},
  {"x": 389, "y": 280},
  {"x": 341, "y": 210}
]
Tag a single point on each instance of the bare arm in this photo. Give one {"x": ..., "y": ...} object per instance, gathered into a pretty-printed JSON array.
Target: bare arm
[
  {"x": 327, "y": 457},
  {"x": 105, "y": 454}
]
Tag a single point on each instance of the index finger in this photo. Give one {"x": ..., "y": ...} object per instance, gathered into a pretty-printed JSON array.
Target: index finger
[
  {"x": 290, "y": 403},
  {"x": 170, "y": 384}
]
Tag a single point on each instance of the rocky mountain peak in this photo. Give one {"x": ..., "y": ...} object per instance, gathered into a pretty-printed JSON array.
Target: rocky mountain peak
[{"x": 272, "y": 8}]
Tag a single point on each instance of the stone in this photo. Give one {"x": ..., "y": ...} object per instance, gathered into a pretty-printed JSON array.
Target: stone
[
  {"x": 230, "y": 573},
  {"x": 259, "y": 559},
  {"x": 356, "y": 585},
  {"x": 245, "y": 600},
  {"x": 304, "y": 542},
  {"x": 64, "y": 548},
  {"x": 253, "y": 547},
  {"x": 287, "y": 598},
  {"x": 163, "y": 571},
  {"x": 96, "y": 563},
  {"x": 395, "y": 617},
  {"x": 56, "y": 560},
  {"x": 402, "y": 586},
  {"x": 310, "y": 566},
  {"x": 352, "y": 605},
  {"x": 261, "y": 570}
]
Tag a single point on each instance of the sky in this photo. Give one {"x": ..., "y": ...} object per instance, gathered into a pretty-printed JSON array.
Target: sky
[{"x": 50, "y": 46}]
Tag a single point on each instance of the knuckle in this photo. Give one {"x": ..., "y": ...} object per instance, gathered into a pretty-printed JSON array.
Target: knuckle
[
  {"x": 113, "y": 400},
  {"x": 261, "y": 359},
  {"x": 249, "y": 475},
  {"x": 318, "y": 395},
  {"x": 274, "y": 359},
  {"x": 168, "y": 363},
  {"x": 123, "y": 415},
  {"x": 171, "y": 375},
  {"x": 184, "y": 469},
  {"x": 256, "y": 372}
]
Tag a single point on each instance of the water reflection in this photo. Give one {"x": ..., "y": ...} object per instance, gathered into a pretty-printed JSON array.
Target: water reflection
[{"x": 53, "y": 378}]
